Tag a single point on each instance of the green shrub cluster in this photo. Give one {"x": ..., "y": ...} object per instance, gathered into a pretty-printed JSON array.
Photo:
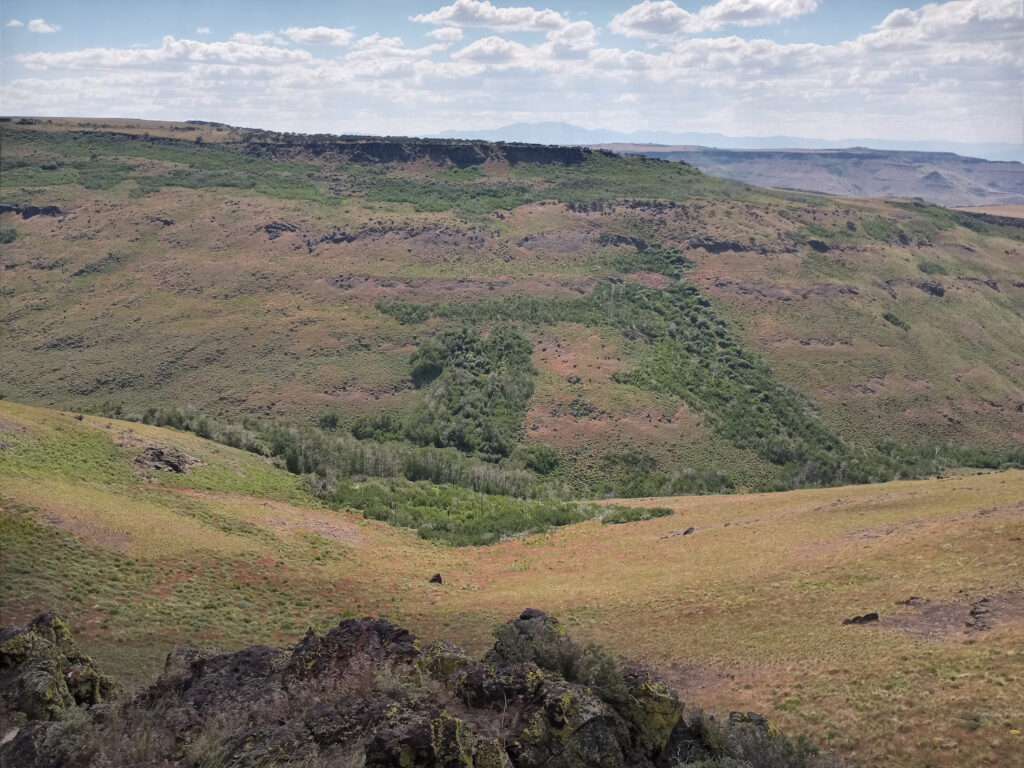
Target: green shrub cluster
[
  {"x": 633, "y": 514},
  {"x": 477, "y": 391}
]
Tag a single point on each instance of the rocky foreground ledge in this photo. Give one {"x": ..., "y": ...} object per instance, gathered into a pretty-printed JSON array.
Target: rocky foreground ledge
[{"x": 367, "y": 693}]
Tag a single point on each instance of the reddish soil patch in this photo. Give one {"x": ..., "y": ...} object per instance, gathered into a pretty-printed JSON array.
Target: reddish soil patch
[
  {"x": 10, "y": 425},
  {"x": 92, "y": 533},
  {"x": 586, "y": 356}
]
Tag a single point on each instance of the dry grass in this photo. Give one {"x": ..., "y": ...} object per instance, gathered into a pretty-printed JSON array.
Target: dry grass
[{"x": 744, "y": 613}]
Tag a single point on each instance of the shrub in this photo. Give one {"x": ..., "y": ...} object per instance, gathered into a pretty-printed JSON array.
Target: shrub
[
  {"x": 896, "y": 320},
  {"x": 932, "y": 268},
  {"x": 620, "y": 515}
]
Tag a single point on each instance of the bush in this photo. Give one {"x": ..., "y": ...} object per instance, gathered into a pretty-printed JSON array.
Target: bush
[
  {"x": 889, "y": 317},
  {"x": 7, "y": 234},
  {"x": 932, "y": 268},
  {"x": 620, "y": 515}
]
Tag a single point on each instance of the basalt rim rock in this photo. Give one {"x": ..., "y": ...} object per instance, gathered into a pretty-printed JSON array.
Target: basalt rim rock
[{"x": 369, "y": 693}]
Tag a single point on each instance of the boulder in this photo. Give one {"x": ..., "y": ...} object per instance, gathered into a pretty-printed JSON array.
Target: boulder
[{"x": 43, "y": 673}]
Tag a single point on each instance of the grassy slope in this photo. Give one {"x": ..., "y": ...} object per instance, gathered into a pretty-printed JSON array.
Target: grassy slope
[
  {"x": 744, "y": 614},
  {"x": 208, "y": 311}
]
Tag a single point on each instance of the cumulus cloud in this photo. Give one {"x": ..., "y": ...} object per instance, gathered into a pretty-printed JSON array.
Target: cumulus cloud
[
  {"x": 14, "y": 23},
  {"x": 482, "y": 13},
  {"x": 953, "y": 66},
  {"x": 40, "y": 26},
  {"x": 261, "y": 38},
  {"x": 663, "y": 18},
  {"x": 318, "y": 35},
  {"x": 447, "y": 34}
]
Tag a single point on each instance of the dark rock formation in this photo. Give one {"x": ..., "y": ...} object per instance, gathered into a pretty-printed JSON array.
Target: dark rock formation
[
  {"x": 277, "y": 228},
  {"x": 436, "y": 579},
  {"x": 819, "y": 245},
  {"x": 712, "y": 245},
  {"x": 867, "y": 618},
  {"x": 166, "y": 459},
  {"x": 28, "y": 211},
  {"x": 368, "y": 693},
  {"x": 932, "y": 287}
]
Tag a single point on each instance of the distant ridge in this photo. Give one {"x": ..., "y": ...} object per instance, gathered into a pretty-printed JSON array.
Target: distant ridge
[{"x": 566, "y": 133}]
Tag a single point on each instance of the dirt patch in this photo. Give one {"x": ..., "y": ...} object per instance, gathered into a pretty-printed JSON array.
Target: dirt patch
[
  {"x": 944, "y": 621},
  {"x": 558, "y": 241},
  {"x": 336, "y": 530},
  {"x": 586, "y": 356},
  {"x": 12, "y": 426},
  {"x": 92, "y": 533}
]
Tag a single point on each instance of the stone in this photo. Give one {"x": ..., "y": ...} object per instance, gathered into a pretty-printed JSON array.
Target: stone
[
  {"x": 867, "y": 618},
  {"x": 436, "y": 579}
]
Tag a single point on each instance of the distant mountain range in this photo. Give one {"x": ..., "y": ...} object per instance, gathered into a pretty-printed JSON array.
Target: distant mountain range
[
  {"x": 565, "y": 133},
  {"x": 943, "y": 178}
]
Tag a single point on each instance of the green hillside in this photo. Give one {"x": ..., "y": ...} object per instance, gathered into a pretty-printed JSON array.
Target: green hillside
[{"x": 559, "y": 321}]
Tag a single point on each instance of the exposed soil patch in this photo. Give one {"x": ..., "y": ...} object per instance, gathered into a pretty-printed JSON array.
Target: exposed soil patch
[
  {"x": 558, "y": 240},
  {"x": 943, "y": 621},
  {"x": 586, "y": 357},
  {"x": 10, "y": 425},
  {"x": 93, "y": 533},
  {"x": 336, "y": 530}
]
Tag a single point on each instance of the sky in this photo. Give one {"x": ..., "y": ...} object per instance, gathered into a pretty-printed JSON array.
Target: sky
[{"x": 831, "y": 69}]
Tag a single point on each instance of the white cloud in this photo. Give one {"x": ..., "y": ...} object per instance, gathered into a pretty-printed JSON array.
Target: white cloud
[
  {"x": 14, "y": 23},
  {"x": 447, "y": 34},
  {"x": 663, "y": 18},
  {"x": 954, "y": 67},
  {"x": 495, "y": 50},
  {"x": 40, "y": 25},
  {"x": 481, "y": 13},
  {"x": 318, "y": 35},
  {"x": 261, "y": 38},
  {"x": 202, "y": 30}
]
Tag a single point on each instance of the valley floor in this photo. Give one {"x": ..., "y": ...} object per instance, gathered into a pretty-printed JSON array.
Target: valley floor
[{"x": 740, "y": 600}]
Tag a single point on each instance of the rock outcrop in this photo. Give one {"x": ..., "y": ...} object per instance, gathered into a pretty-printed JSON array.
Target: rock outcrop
[{"x": 366, "y": 693}]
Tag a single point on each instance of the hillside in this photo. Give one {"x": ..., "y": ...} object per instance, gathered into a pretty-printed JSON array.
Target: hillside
[
  {"x": 738, "y": 601},
  {"x": 941, "y": 178},
  {"x": 661, "y": 331}
]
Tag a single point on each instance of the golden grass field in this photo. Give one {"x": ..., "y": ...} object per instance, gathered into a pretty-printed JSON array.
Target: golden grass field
[{"x": 744, "y": 613}]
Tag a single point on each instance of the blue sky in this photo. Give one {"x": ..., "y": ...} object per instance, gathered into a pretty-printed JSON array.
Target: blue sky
[{"x": 824, "y": 68}]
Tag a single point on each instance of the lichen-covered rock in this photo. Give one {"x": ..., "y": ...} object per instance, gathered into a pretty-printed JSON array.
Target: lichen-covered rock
[
  {"x": 376, "y": 640},
  {"x": 46, "y": 743},
  {"x": 44, "y": 674},
  {"x": 366, "y": 694},
  {"x": 442, "y": 660},
  {"x": 452, "y": 742},
  {"x": 652, "y": 709},
  {"x": 571, "y": 727},
  {"x": 482, "y": 685},
  {"x": 491, "y": 754}
]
